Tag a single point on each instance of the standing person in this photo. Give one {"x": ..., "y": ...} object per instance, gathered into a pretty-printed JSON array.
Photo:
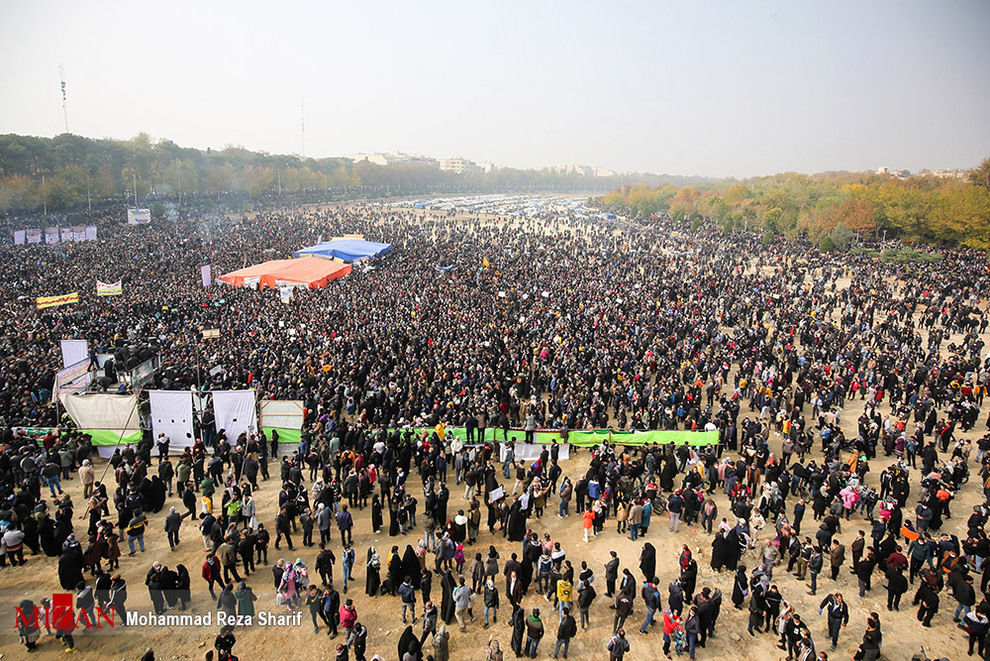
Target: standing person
[
  {"x": 611, "y": 574},
  {"x": 153, "y": 579},
  {"x": 587, "y": 522},
  {"x": 135, "y": 531},
  {"x": 651, "y": 599},
  {"x": 692, "y": 627},
  {"x": 172, "y": 523},
  {"x": 565, "y": 631},
  {"x": 670, "y": 623},
  {"x": 27, "y": 627},
  {"x": 617, "y": 646},
  {"x": 462, "y": 602},
  {"x": 869, "y": 649},
  {"x": 87, "y": 475},
  {"x": 211, "y": 574},
  {"x": 491, "y": 601},
  {"x": 347, "y": 563},
  {"x": 348, "y": 616},
  {"x": 674, "y": 508},
  {"x": 407, "y": 594},
  {"x": 927, "y": 597},
  {"x": 331, "y": 610},
  {"x": 245, "y": 599},
  {"x": 345, "y": 522},
  {"x": 586, "y": 596},
  {"x": 534, "y": 632},
  {"x": 282, "y": 528},
  {"x": 314, "y": 600},
  {"x": 837, "y": 615},
  {"x": 324, "y": 564},
  {"x": 815, "y": 568},
  {"x": 623, "y": 606},
  {"x": 836, "y": 556},
  {"x": 430, "y": 615},
  {"x": 976, "y": 624}
]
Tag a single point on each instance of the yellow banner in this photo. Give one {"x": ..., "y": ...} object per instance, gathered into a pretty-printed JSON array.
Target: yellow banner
[
  {"x": 52, "y": 301},
  {"x": 112, "y": 289}
]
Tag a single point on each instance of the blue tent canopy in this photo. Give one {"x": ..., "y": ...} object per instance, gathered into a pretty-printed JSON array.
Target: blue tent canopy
[{"x": 349, "y": 250}]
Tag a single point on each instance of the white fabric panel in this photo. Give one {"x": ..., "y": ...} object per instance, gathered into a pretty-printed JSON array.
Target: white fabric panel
[
  {"x": 103, "y": 411},
  {"x": 73, "y": 351},
  {"x": 527, "y": 452},
  {"x": 171, "y": 414},
  {"x": 287, "y": 414},
  {"x": 235, "y": 412}
]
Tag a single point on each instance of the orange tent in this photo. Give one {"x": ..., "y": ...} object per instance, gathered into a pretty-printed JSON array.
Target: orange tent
[{"x": 308, "y": 271}]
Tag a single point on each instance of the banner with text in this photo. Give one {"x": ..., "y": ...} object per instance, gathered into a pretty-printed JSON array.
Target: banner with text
[
  {"x": 54, "y": 301},
  {"x": 111, "y": 289}
]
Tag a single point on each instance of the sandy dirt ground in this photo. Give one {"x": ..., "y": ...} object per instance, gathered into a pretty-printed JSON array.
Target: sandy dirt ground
[{"x": 903, "y": 634}]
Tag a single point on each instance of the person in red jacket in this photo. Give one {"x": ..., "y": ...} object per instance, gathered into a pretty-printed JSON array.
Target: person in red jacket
[
  {"x": 211, "y": 573},
  {"x": 670, "y": 624},
  {"x": 587, "y": 522},
  {"x": 348, "y": 616}
]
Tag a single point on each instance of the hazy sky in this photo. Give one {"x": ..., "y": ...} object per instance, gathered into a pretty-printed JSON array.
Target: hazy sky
[{"x": 712, "y": 88}]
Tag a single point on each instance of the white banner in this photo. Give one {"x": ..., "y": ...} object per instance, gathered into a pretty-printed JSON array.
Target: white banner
[
  {"x": 19, "y": 237},
  {"x": 287, "y": 414},
  {"x": 103, "y": 411},
  {"x": 206, "y": 273},
  {"x": 91, "y": 232},
  {"x": 79, "y": 233},
  {"x": 532, "y": 451},
  {"x": 172, "y": 415},
  {"x": 51, "y": 235},
  {"x": 235, "y": 413},
  {"x": 66, "y": 234},
  {"x": 109, "y": 289},
  {"x": 74, "y": 351},
  {"x": 34, "y": 236},
  {"x": 138, "y": 216}
]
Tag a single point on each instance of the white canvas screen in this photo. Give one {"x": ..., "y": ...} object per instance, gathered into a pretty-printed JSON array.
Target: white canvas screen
[
  {"x": 287, "y": 414},
  {"x": 73, "y": 351},
  {"x": 235, "y": 412},
  {"x": 172, "y": 415},
  {"x": 103, "y": 411}
]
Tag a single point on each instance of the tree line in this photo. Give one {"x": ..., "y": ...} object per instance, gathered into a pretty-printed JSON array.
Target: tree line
[
  {"x": 829, "y": 209},
  {"x": 69, "y": 171}
]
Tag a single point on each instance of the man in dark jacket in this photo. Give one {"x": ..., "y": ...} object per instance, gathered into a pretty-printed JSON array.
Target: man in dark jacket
[
  {"x": 837, "y": 614},
  {"x": 565, "y": 631},
  {"x": 927, "y": 597},
  {"x": 617, "y": 646}
]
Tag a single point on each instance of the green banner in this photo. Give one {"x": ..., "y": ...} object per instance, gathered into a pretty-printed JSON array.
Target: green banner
[
  {"x": 112, "y": 437},
  {"x": 284, "y": 435}
]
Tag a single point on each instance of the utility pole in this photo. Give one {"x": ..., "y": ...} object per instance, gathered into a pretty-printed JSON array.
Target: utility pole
[
  {"x": 135, "y": 190},
  {"x": 44, "y": 200}
]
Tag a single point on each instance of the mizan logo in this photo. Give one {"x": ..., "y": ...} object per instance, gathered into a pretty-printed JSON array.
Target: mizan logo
[{"x": 60, "y": 614}]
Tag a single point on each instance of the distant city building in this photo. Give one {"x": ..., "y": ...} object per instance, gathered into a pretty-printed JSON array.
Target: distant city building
[
  {"x": 393, "y": 158},
  {"x": 459, "y": 165},
  {"x": 583, "y": 170}
]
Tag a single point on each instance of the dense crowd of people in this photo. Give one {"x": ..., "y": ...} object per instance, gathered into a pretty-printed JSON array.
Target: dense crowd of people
[{"x": 518, "y": 324}]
